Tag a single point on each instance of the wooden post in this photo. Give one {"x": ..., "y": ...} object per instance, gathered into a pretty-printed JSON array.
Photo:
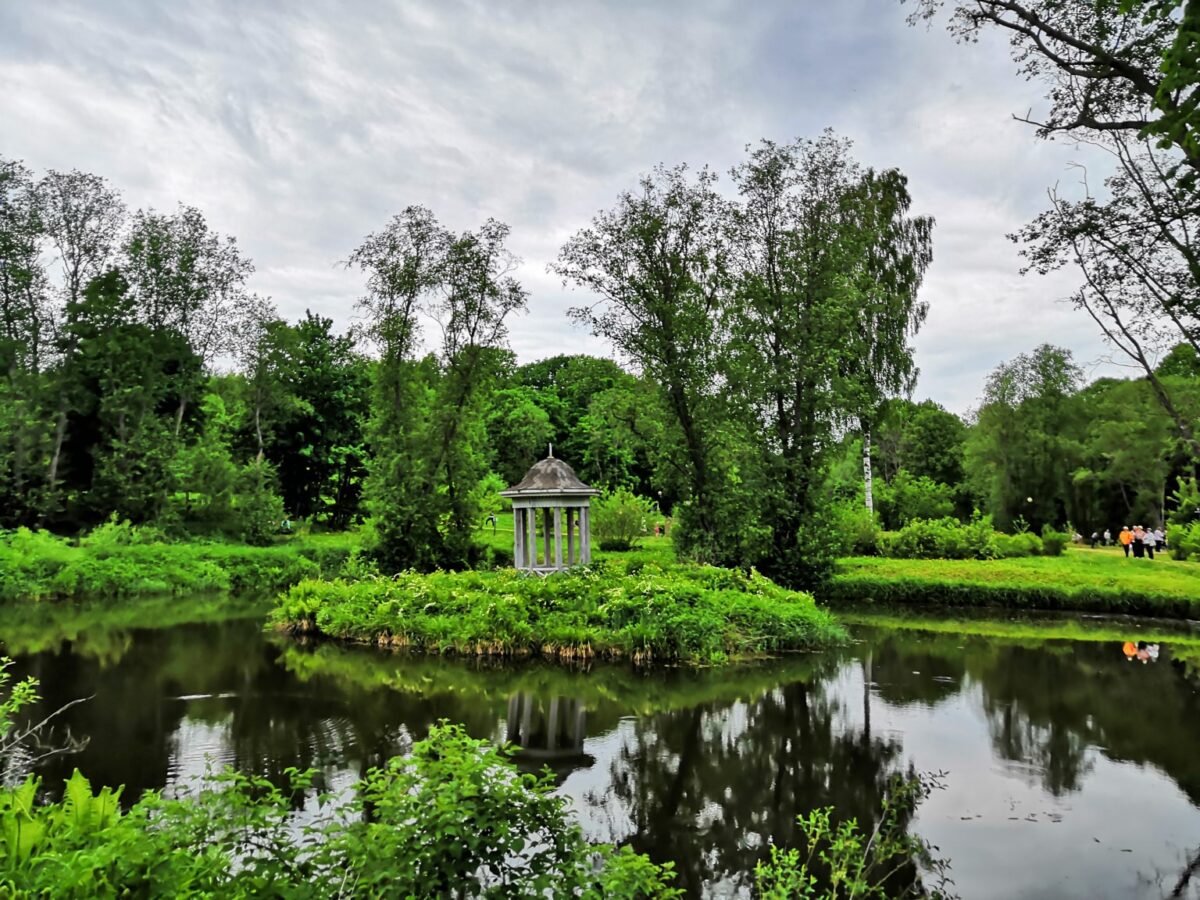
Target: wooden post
[
  {"x": 518, "y": 544},
  {"x": 585, "y": 536},
  {"x": 558, "y": 537},
  {"x": 570, "y": 536},
  {"x": 531, "y": 524},
  {"x": 546, "y": 531}
]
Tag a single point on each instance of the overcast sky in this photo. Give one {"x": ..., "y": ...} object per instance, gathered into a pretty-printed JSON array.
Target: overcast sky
[{"x": 301, "y": 130}]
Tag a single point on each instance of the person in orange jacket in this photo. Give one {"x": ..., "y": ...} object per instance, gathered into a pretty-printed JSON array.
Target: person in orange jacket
[{"x": 1125, "y": 538}]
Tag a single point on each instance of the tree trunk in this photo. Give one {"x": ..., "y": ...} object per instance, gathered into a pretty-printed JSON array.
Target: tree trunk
[{"x": 868, "y": 485}]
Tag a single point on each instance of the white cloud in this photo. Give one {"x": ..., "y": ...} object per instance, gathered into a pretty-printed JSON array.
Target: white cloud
[{"x": 299, "y": 130}]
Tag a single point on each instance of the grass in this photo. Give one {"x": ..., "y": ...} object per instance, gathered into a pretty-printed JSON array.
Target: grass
[
  {"x": 118, "y": 563},
  {"x": 692, "y": 614},
  {"x": 1095, "y": 581}
]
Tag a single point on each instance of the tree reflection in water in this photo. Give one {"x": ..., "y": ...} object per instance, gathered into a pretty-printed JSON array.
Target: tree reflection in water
[{"x": 703, "y": 767}]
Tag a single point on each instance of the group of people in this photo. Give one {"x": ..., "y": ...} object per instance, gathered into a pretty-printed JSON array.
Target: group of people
[{"x": 1139, "y": 541}]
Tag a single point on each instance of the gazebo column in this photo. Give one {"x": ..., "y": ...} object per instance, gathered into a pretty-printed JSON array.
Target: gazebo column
[
  {"x": 585, "y": 535},
  {"x": 558, "y": 537},
  {"x": 570, "y": 536},
  {"x": 549, "y": 559},
  {"x": 518, "y": 537},
  {"x": 531, "y": 550}
]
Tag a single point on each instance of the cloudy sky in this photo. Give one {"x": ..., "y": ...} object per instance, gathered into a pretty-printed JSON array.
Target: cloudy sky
[{"x": 299, "y": 130}]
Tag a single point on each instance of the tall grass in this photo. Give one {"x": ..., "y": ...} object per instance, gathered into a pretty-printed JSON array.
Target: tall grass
[
  {"x": 686, "y": 613},
  {"x": 116, "y": 561},
  {"x": 1081, "y": 580}
]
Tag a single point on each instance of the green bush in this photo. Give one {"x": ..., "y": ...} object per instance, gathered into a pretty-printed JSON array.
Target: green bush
[
  {"x": 622, "y": 516},
  {"x": 1184, "y": 541},
  {"x": 615, "y": 545},
  {"x": 259, "y": 509},
  {"x": 1054, "y": 542},
  {"x": 855, "y": 528},
  {"x": 1010, "y": 546},
  {"x": 688, "y": 613},
  {"x": 453, "y": 818}
]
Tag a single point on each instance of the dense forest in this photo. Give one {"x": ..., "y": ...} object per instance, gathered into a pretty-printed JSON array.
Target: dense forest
[{"x": 764, "y": 398}]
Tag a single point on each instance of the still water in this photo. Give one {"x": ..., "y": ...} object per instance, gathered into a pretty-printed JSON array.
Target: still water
[{"x": 1070, "y": 769}]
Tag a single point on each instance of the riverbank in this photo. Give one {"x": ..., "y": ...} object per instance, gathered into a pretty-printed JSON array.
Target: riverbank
[
  {"x": 1081, "y": 580},
  {"x": 116, "y": 563},
  {"x": 692, "y": 614}
]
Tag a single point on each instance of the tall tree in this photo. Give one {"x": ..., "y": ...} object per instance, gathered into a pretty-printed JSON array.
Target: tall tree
[
  {"x": 187, "y": 278},
  {"x": 656, "y": 263},
  {"x": 1122, "y": 76},
  {"x": 83, "y": 217},
  {"x": 896, "y": 249},
  {"x": 26, "y": 329},
  {"x": 427, "y": 426}
]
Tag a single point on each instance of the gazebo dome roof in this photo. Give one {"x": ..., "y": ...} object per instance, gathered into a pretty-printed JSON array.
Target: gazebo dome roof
[{"x": 550, "y": 476}]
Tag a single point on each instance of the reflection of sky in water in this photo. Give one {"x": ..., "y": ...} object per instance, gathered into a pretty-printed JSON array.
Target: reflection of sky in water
[{"x": 1010, "y": 827}]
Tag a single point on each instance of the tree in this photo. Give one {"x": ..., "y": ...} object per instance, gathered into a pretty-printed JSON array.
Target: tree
[
  {"x": 518, "y": 432},
  {"x": 83, "y": 218},
  {"x": 427, "y": 426},
  {"x": 1121, "y": 76},
  {"x": 896, "y": 250},
  {"x": 1027, "y": 438},
  {"x": 186, "y": 278},
  {"x": 656, "y": 264},
  {"x": 26, "y": 331}
]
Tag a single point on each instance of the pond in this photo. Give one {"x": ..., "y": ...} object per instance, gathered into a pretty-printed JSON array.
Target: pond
[{"x": 1071, "y": 769}]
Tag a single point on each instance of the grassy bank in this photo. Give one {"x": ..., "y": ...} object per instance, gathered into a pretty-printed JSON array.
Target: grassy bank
[
  {"x": 1080, "y": 580},
  {"x": 116, "y": 563},
  {"x": 682, "y": 613}
]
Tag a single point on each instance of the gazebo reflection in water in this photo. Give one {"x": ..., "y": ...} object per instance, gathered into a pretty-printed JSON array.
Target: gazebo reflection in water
[{"x": 549, "y": 732}]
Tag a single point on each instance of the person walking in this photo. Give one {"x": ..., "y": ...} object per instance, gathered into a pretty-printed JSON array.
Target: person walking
[
  {"x": 1160, "y": 538},
  {"x": 1149, "y": 540},
  {"x": 1107, "y": 537},
  {"x": 1095, "y": 539},
  {"x": 1125, "y": 538},
  {"x": 1139, "y": 549}
]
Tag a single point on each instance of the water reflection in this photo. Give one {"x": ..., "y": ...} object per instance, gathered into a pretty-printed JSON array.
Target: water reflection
[{"x": 1059, "y": 754}]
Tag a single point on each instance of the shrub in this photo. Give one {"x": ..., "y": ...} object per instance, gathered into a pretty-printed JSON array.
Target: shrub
[
  {"x": 615, "y": 545},
  {"x": 1184, "y": 541},
  {"x": 622, "y": 515},
  {"x": 259, "y": 507},
  {"x": 1015, "y": 545},
  {"x": 1054, "y": 542},
  {"x": 455, "y": 817},
  {"x": 855, "y": 528}
]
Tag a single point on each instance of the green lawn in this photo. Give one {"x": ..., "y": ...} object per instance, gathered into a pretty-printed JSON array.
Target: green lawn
[{"x": 1100, "y": 580}]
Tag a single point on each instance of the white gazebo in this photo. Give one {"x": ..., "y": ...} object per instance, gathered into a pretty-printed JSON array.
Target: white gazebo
[{"x": 552, "y": 487}]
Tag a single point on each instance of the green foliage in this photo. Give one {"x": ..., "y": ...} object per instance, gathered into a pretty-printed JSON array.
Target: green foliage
[
  {"x": 688, "y": 613},
  {"x": 259, "y": 507},
  {"x": 855, "y": 528},
  {"x": 837, "y": 860},
  {"x": 1054, "y": 542},
  {"x": 907, "y": 497},
  {"x": 945, "y": 538},
  {"x": 1091, "y": 582},
  {"x": 122, "y": 560},
  {"x": 1184, "y": 541},
  {"x": 621, "y": 517},
  {"x": 453, "y": 818}
]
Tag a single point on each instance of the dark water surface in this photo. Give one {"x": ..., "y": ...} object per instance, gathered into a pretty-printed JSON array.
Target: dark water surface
[{"x": 1070, "y": 771}]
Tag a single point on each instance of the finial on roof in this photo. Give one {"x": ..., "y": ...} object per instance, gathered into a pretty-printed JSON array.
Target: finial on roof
[{"x": 551, "y": 451}]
